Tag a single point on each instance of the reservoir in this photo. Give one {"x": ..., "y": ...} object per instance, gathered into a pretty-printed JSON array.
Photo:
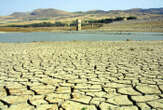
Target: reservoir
[{"x": 78, "y": 36}]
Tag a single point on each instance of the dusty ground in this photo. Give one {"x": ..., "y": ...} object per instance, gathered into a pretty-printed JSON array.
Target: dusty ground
[{"x": 81, "y": 76}]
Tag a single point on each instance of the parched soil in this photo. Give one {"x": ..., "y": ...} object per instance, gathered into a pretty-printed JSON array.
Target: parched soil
[{"x": 126, "y": 75}]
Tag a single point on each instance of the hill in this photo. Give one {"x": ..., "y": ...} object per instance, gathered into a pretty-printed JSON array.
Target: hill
[
  {"x": 57, "y": 13},
  {"x": 149, "y": 11},
  {"x": 42, "y": 13}
]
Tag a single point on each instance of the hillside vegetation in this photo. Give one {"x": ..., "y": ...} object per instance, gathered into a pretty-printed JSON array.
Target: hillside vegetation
[{"x": 113, "y": 20}]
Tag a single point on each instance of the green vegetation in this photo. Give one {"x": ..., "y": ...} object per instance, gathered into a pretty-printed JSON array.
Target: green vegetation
[
  {"x": 31, "y": 19},
  {"x": 84, "y": 108},
  {"x": 110, "y": 20},
  {"x": 73, "y": 23},
  {"x": 131, "y": 18},
  {"x": 56, "y": 24},
  {"x": 101, "y": 21},
  {"x": 132, "y": 49},
  {"x": 109, "y": 108},
  {"x": 85, "y": 23},
  {"x": 43, "y": 24}
]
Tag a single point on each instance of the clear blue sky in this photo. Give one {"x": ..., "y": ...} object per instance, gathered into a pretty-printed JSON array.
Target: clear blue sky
[{"x": 9, "y": 6}]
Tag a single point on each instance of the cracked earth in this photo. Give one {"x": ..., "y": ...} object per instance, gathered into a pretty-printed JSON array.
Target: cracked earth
[{"x": 81, "y": 76}]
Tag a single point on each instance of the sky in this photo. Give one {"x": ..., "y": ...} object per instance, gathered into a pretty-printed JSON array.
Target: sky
[{"x": 9, "y": 6}]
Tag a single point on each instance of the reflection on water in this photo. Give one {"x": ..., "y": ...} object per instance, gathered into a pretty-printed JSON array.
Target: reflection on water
[{"x": 84, "y": 36}]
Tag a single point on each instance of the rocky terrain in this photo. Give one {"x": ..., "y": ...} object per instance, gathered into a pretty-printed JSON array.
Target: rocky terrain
[{"x": 77, "y": 75}]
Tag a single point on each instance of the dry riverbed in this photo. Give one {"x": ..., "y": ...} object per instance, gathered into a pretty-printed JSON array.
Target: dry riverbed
[{"x": 77, "y": 75}]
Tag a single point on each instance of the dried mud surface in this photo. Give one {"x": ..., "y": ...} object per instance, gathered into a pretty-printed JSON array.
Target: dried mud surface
[{"x": 81, "y": 75}]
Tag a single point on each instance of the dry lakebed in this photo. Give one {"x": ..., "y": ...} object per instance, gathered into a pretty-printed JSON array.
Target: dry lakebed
[{"x": 81, "y": 75}]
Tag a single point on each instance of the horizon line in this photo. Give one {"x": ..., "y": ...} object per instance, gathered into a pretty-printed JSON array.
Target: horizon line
[{"x": 79, "y": 10}]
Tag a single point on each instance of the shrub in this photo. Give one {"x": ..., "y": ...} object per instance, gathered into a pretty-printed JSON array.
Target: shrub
[
  {"x": 43, "y": 24},
  {"x": 59, "y": 24},
  {"x": 131, "y": 18},
  {"x": 84, "y": 108},
  {"x": 73, "y": 23},
  {"x": 132, "y": 49},
  {"x": 107, "y": 20},
  {"x": 118, "y": 19}
]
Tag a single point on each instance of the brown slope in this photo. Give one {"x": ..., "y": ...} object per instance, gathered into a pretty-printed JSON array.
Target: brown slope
[
  {"x": 50, "y": 12},
  {"x": 42, "y": 13}
]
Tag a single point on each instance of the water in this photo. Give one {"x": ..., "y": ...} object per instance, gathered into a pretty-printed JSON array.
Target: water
[{"x": 84, "y": 36}]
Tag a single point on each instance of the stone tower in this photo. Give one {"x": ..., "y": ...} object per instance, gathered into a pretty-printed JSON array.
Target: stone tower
[
  {"x": 125, "y": 19},
  {"x": 78, "y": 25}
]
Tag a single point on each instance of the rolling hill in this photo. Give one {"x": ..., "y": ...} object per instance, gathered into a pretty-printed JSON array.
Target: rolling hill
[
  {"x": 42, "y": 13},
  {"x": 149, "y": 11},
  {"x": 55, "y": 12}
]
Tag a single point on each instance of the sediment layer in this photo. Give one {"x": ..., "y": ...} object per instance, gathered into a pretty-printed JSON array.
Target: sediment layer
[{"x": 78, "y": 75}]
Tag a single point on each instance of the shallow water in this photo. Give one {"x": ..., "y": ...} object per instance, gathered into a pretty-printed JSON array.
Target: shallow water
[{"x": 84, "y": 36}]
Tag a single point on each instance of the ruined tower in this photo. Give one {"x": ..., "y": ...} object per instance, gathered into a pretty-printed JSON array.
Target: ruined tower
[{"x": 78, "y": 25}]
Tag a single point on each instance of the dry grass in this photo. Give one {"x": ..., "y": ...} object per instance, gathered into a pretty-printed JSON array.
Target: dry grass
[
  {"x": 38, "y": 29},
  {"x": 44, "y": 29},
  {"x": 152, "y": 26},
  {"x": 135, "y": 26}
]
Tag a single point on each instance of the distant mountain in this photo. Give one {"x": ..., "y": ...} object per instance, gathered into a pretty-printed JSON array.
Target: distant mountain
[
  {"x": 20, "y": 14},
  {"x": 96, "y": 12},
  {"x": 149, "y": 11},
  {"x": 90, "y": 12},
  {"x": 42, "y": 13},
  {"x": 50, "y": 12},
  {"x": 134, "y": 10},
  {"x": 55, "y": 12}
]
